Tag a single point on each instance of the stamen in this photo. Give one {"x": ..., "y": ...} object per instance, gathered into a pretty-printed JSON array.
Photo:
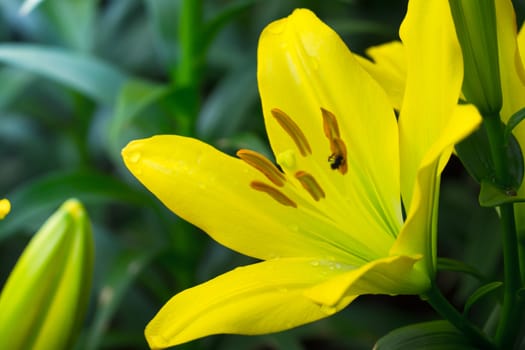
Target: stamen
[
  {"x": 330, "y": 126},
  {"x": 273, "y": 192},
  {"x": 261, "y": 163},
  {"x": 338, "y": 157},
  {"x": 310, "y": 184},
  {"x": 293, "y": 130}
]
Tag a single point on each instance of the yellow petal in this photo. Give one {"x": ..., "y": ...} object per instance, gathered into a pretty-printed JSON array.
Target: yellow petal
[
  {"x": 304, "y": 67},
  {"x": 213, "y": 191},
  {"x": 5, "y": 208},
  {"x": 392, "y": 275},
  {"x": 255, "y": 299},
  {"x": 389, "y": 68},
  {"x": 512, "y": 73},
  {"x": 521, "y": 42},
  {"x": 418, "y": 234},
  {"x": 512, "y": 61},
  {"x": 434, "y": 77}
]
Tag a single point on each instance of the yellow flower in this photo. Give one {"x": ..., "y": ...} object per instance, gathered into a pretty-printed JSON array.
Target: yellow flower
[
  {"x": 390, "y": 66},
  {"x": 329, "y": 226},
  {"x": 5, "y": 208}
]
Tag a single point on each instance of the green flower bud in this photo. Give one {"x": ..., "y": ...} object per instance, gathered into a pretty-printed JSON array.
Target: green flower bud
[
  {"x": 5, "y": 207},
  {"x": 475, "y": 23},
  {"x": 43, "y": 303}
]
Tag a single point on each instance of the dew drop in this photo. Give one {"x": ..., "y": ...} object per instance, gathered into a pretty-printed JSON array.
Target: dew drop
[
  {"x": 315, "y": 263},
  {"x": 134, "y": 157}
]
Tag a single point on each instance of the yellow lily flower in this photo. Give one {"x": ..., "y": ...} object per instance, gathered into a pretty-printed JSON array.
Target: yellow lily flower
[
  {"x": 329, "y": 226},
  {"x": 5, "y": 208},
  {"x": 389, "y": 68}
]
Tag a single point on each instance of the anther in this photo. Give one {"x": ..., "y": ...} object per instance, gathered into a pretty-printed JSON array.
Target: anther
[
  {"x": 293, "y": 130},
  {"x": 310, "y": 184},
  {"x": 261, "y": 163},
  {"x": 273, "y": 192},
  {"x": 330, "y": 126},
  {"x": 337, "y": 159}
]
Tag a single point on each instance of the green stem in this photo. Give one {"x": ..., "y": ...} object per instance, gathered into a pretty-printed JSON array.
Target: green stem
[
  {"x": 511, "y": 312},
  {"x": 188, "y": 72},
  {"x": 521, "y": 254},
  {"x": 190, "y": 29},
  {"x": 442, "y": 306}
]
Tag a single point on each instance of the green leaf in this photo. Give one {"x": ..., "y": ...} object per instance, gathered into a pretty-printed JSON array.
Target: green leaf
[
  {"x": 434, "y": 335},
  {"x": 165, "y": 29},
  {"x": 14, "y": 82},
  {"x": 29, "y": 5},
  {"x": 83, "y": 73},
  {"x": 514, "y": 120},
  {"x": 447, "y": 264},
  {"x": 226, "y": 14},
  {"x": 119, "y": 280},
  {"x": 229, "y": 104},
  {"x": 75, "y": 29},
  {"x": 479, "y": 293},
  {"x": 491, "y": 195},
  {"x": 34, "y": 201},
  {"x": 475, "y": 155},
  {"x": 135, "y": 96}
]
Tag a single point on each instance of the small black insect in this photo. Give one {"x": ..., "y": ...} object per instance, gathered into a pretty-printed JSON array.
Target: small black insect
[{"x": 336, "y": 160}]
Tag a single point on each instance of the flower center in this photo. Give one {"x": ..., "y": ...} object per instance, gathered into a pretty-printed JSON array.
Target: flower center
[{"x": 278, "y": 189}]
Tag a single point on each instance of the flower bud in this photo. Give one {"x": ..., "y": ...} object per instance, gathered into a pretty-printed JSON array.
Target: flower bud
[
  {"x": 5, "y": 207},
  {"x": 475, "y": 23},
  {"x": 46, "y": 295}
]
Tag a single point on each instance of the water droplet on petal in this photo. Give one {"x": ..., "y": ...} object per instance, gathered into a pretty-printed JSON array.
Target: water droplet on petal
[
  {"x": 134, "y": 157},
  {"x": 315, "y": 263}
]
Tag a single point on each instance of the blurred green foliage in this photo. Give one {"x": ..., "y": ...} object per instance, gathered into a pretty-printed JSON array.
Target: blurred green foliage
[{"x": 79, "y": 79}]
